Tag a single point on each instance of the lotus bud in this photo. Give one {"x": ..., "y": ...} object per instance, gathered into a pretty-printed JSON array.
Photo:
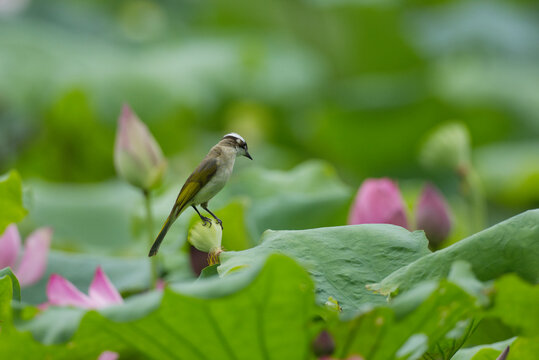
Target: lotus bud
[
  {"x": 206, "y": 238},
  {"x": 447, "y": 147},
  {"x": 378, "y": 201},
  {"x": 323, "y": 345},
  {"x": 432, "y": 215},
  {"x": 137, "y": 156}
]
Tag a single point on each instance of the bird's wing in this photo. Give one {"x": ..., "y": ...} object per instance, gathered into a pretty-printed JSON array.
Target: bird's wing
[{"x": 200, "y": 177}]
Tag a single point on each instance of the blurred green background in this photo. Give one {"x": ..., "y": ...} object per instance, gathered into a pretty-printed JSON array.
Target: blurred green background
[
  {"x": 355, "y": 83},
  {"x": 326, "y": 93}
]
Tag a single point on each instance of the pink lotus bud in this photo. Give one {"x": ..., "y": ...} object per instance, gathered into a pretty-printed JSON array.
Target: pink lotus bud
[
  {"x": 137, "y": 156},
  {"x": 432, "y": 215},
  {"x": 323, "y": 345},
  {"x": 378, "y": 201}
]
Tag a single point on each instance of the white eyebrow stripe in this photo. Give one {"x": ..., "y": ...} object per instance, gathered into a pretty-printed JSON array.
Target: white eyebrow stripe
[{"x": 238, "y": 136}]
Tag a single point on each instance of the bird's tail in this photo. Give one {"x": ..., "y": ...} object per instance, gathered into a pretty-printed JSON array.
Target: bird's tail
[{"x": 155, "y": 247}]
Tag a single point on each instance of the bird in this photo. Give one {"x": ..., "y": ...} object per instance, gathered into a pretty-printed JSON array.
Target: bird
[{"x": 205, "y": 182}]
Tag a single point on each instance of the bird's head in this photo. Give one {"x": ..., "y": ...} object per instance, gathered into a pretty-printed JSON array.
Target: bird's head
[{"x": 238, "y": 143}]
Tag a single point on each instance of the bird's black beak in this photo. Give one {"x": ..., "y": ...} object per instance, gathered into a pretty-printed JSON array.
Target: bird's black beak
[{"x": 247, "y": 155}]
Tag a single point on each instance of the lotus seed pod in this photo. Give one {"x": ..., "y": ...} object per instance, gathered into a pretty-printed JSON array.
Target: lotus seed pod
[{"x": 447, "y": 148}]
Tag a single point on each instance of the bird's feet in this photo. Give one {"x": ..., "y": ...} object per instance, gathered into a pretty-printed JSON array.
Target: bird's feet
[
  {"x": 219, "y": 222},
  {"x": 205, "y": 221}
]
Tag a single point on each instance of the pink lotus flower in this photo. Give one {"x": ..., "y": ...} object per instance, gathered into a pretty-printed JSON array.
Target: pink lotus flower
[
  {"x": 378, "y": 201},
  {"x": 33, "y": 261},
  {"x": 432, "y": 215},
  {"x": 137, "y": 156},
  {"x": 102, "y": 293}
]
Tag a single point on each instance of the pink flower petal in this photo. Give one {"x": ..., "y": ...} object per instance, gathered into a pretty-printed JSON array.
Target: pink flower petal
[
  {"x": 108, "y": 355},
  {"x": 10, "y": 244},
  {"x": 34, "y": 260},
  {"x": 61, "y": 292},
  {"x": 102, "y": 291},
  {"x": 124, "y": 122}
]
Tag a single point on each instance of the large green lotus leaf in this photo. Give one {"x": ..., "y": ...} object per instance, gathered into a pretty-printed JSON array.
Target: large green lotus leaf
[
  {"x": 310, "y": 195},
  {"x": 266, "y": 320},
  {"x": 478, "y": 352},
  {"x": 342, "y": 260},
  {"x": 519, "y": 349},
  {"x": 258, "y": 314},
  {"x": 89, "y": 217},
  {"x": 510, "y": 246},
  {"x": 14, "y": 344},
  {"x": 11, "y": 205},
  {"x": 409, "y": 326},
  {"x": 516, "y": 303},
  {"x": 127, "y": 274},
  {"x": 524, "y": 348}
]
